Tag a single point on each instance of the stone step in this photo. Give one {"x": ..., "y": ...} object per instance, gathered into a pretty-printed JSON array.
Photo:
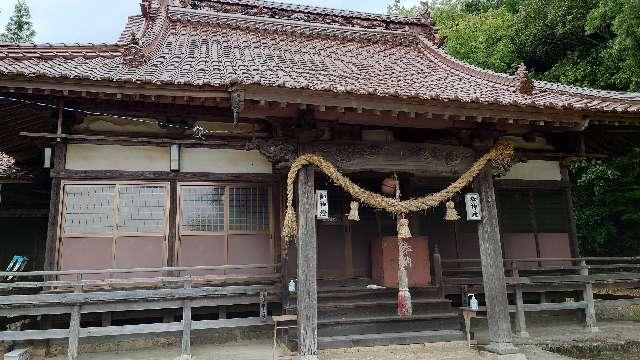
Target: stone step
[
  {"x": 400, "y": 338},
  {"x": 369, "y": 308},
  {"x": 387, "y": 324}
]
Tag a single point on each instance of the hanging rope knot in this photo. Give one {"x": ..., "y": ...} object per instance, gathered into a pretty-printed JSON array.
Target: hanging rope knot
[
  {"x": 353, "y": 214},
  {"x": 452, "y": 213},
  {"x": 404, "y": 232},
  {"x": 502, "y": 156}
]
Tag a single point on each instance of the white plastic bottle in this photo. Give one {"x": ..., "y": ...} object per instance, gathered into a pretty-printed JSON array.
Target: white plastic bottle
[{"x": 473, "y": 303}]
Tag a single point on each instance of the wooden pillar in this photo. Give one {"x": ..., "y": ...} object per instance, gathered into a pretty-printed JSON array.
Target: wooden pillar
[
  {"x": 172, "y": 237},
  {"x": 520, "y": 317},
  {"x": 186, "y": 325},
  {"x": 74, "y": 333},
  {"x": 51, "y": 244},
  {"x": 307, "y": 262},
  {"x": 587, "y": 294},
  {"x": 571, "y": 215},
  {"x": 495, "y": 288},
  {"x": 437, "y": 269}
]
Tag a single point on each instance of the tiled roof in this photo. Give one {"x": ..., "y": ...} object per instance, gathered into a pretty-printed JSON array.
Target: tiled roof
[{"x": 262, "y": 43}]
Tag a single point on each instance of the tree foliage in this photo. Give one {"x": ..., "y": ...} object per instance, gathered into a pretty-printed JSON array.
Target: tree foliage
[
  {"x": 593, "y": 43},
  {"x": 606, "y": 198},
  {"x": 19, "y": 29}
]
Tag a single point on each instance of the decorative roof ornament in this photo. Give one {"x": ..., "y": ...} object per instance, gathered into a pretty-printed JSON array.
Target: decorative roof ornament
[
  {"x": 424, "y": 13},
  {"x": 185, "y": 3},
  {"x": 145, "y": 8},
  {"x": 132, "y": 54},
  {"x": 524, "y": 85}
]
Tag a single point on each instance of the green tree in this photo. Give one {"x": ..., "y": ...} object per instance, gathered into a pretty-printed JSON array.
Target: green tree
[
  {"x": 592, "y": 43},
  {"x": 19, "y": 29},
  {"x": 606, "y": 197}
]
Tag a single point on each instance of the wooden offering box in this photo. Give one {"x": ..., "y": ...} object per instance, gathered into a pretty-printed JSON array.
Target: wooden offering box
[{"x": 384, "y": 255}]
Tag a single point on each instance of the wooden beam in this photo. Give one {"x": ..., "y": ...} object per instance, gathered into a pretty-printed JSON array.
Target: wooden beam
[
  {"x": 307, "y": 295},
  {"x": 161, "y": 176},
  {"x": 158, "y": 141},
  {"x": 500, "y": 340}
]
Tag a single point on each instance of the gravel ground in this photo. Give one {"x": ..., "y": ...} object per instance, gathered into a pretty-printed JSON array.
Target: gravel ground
[{"x": 440, "y": 351}]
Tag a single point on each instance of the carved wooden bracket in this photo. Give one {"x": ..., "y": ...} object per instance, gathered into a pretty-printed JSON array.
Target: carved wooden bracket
[
  {"x": 280, "y": 152},
  {"x": 237, "y": 103}
]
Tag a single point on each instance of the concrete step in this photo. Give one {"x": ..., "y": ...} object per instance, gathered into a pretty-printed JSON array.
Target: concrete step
[
  {"x": 400, "y": 338},
  {"x": 387, "y": 324}
]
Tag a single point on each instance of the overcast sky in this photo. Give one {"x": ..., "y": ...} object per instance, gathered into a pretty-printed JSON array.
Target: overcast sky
[{"x": 103, "y": 20}]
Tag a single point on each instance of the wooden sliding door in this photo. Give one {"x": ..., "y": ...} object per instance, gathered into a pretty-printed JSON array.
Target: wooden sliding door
[
  {"x": 113, "y": 225},
  {"x": 222, "y": 224}
]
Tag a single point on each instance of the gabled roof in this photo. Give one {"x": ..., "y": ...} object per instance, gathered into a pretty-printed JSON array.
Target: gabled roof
[{"x": 223, "y": 43}]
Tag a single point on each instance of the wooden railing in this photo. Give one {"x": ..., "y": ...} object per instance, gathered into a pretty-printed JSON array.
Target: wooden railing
[
  {"x": 163, "y": 288},
  {"x": 535, "y": 270},
  {"x": 541, "y": 275}
]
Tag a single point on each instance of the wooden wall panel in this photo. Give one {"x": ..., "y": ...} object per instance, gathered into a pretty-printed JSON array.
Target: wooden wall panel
[
  {"x": 250, "y": 249},
  {"x": 86, "y": 253},
  {"x": 555, "y": 245},
  {"x": 140, "y": 251},
  {"x": 202, "y": 250}
]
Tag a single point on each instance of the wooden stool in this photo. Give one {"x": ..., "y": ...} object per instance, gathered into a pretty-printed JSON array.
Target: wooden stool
[
  {"x": 276, "y": 320},
  {"x": 468, "y": 314}
]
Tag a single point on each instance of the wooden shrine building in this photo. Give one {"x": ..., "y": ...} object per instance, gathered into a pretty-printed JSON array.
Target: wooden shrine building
[{"x": 166, "y": 157}]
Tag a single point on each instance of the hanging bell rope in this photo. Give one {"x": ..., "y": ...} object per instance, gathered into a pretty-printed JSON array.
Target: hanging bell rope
[{"x": 500, "y": 157}]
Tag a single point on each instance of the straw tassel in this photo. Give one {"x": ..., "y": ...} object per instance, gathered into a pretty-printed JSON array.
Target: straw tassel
[
  {"x": 354, "y": 215},
  {"x": 290, "y": 227},
  {"x": 452, "y": 213},
  {"x": 403, "y": 229}
]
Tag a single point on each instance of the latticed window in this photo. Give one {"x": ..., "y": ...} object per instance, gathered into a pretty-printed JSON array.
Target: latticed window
[
  {"x": 206, "y": 208},
  {"x": 141, "y": 209},
  {"x": 89, "y": 209},
  {"x": 202, "y": 209},
  {"x": 107, "y": 209},
  {"x": 248, "y": 209}
]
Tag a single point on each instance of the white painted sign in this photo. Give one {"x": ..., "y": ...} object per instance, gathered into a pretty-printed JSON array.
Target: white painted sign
[
  {"x": 474, "y": 212},
  {"x": 322, "y": 207}
]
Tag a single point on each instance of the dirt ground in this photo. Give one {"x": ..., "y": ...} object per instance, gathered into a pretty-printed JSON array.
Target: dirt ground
[{"x": 261, "y": 350}]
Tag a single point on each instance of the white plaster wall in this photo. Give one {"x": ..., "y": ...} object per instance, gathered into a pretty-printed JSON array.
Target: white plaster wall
[
  {"x": 117, "y": 157},
  {"x": 535, "y": 170},
  {"x": 223, "y": 161}
]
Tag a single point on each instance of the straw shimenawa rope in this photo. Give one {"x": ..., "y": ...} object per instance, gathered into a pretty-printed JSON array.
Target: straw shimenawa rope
[{"x": 500, "y": 157}]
